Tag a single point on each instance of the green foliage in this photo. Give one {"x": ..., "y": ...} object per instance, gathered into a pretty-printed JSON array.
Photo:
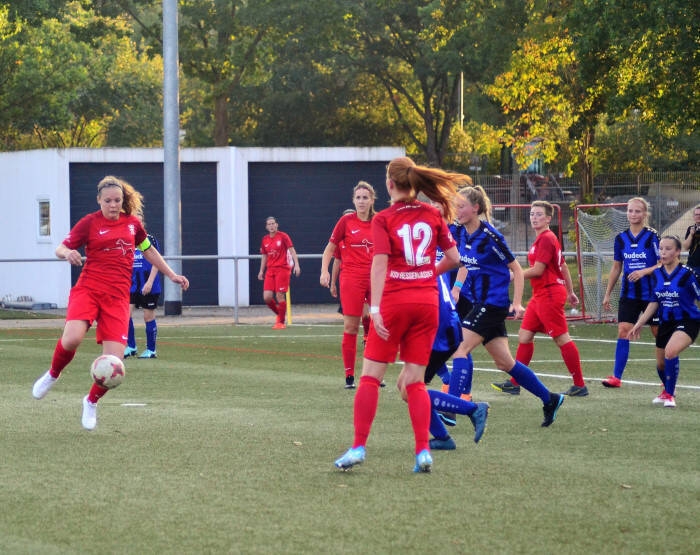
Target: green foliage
[
  {"x": 78, "y": 81},
  {"x": 577, "y": 75}
]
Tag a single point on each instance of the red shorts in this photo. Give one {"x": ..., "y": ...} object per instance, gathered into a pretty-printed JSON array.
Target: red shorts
[
  {"x": 110, "y": 312},
  {"x": 545, "y": 312},
  {"x": 354, "y": 293},
  {"x": 277, "y": 279},
  {"x": 412, "y": 329}
]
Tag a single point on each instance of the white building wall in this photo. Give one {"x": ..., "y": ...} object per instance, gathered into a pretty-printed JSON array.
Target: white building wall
[{"x": 30, "y": 176}]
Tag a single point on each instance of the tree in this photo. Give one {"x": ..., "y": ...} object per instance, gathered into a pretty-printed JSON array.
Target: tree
[
  {"x": 77, "y": 81},
  {"x": 416, "y": 51}
]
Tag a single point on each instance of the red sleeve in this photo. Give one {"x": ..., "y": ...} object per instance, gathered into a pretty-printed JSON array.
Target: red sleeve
[
  {"x": 445, "y": 239},
  {"x": 79, "y": 234},
  {"x": 380, "y": 236},
  {"x": 338, "y": 231}
]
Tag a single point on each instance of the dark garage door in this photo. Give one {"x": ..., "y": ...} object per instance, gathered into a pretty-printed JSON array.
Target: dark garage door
[
  {"x": 198, "y": 213},
  {"x": 307, "y": 198}
]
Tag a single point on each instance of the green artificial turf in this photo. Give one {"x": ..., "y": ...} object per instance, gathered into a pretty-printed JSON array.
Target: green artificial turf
[{"x": 226, "y": 443}]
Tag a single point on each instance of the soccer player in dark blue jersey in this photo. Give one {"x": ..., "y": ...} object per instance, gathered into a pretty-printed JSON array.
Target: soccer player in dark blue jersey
[
  {"x": 145, "y": 290},
  {"x": 636, "y": 255},
  {"x": 490, "y": 263},
  {"x": 676, "y": 290},
  {"x": 447, "y": 339}
]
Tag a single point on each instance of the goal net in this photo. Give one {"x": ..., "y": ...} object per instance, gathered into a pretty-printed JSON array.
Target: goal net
[{"x": 597, "y": 225}]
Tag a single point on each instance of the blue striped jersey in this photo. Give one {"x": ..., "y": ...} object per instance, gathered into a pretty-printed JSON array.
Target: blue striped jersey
[
  {"x": 486, "y": 256},
  {"x": 142, "y": 269},
  {"x": 636, "y": 253},
  {"x": 676, "y": 294}
]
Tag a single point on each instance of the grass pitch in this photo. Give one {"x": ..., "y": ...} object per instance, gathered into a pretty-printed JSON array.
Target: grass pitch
[{"x": 225, "y": 444}]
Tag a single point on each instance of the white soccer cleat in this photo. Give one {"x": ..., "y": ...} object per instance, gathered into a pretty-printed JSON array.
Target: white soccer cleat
[
  {"x": 43, "y": 385},
  {"x": 89, "y": 419}
]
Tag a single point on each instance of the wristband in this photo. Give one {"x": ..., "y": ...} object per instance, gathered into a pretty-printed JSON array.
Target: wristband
[
  {"x": 458, "y": 284},
  {"x": 374, "y": 310}
]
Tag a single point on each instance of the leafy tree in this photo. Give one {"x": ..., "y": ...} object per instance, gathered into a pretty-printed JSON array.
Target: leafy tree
[
  {"x": 416, "y": 50},
  {"x": 78, "y": 81}
]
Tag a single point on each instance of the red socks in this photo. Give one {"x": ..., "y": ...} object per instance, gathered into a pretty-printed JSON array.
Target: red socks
[
  {"x": 272, "y": 305},
  {"x": 419, "y": 411},
  {"x": 96, "y": 393},
  {"x": 282, "y": 311},
  {"x": 365, "y": 409},
  {"x": 572, "y": 359},
  {"x": 349, "y": 350},
  {"x": 524, "y": 355},
  {"x": 61, "y": 359}
]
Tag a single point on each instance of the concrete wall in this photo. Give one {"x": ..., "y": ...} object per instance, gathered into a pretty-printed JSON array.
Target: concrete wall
[{"x": 30, "y": 176}]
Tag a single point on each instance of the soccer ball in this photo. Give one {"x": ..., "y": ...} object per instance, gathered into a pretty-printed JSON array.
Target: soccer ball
[{"x": 107, "y": 371}]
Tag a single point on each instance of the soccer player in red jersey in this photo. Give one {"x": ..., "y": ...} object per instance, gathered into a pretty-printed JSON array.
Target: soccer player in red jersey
[
  {"x": 404, "y": 308},
  {"x": 276, "y": 249},
  {"x": 551, "y": 288},
  {"x": 101, "y": 294},
  {"x": 354, "y": 232}
]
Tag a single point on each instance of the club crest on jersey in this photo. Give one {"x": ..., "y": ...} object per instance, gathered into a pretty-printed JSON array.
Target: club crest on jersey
[{"x": 132, "y": 229}]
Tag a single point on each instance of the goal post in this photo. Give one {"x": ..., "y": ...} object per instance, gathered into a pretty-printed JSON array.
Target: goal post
[{"x": 596, "y": 226}]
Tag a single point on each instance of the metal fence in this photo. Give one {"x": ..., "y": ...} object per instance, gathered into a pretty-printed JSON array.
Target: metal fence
[{"x": 671, "y": 195}]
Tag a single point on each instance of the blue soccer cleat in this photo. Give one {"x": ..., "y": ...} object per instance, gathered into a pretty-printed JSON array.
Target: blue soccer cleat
[
  {"x": 148, "y": 354},
  {"x": 444, "y": 444},
  {"x": 424, "y": 462},
  {"x": 130, "y": 352},
  {"x": 478, "y": 418},
  {"x": 352, "y": 457}
]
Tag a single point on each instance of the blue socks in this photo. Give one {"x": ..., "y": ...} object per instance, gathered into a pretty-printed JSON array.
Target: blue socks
[
  {"x": 527, "y": 379},
  {"x": 672, "y": 370},
  {"x": 445, "y": 402},
  {"x": 131, "y": 342},
  {"x": 444, "y": 374},
  {"x": 622, "y": 353},
  {"x": 461, "y": 378},
  {"x": 151, "y": 334}
]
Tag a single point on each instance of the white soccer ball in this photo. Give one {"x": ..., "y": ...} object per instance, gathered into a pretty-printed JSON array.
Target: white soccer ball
[
  {"x": 107, "y": 371},
  {"x": 574, "y": 312}
]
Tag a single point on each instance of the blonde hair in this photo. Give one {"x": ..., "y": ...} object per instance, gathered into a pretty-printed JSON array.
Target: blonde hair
[
  {"x": 647, "y": 208},
  {"x": 132, "y": 202},
  {"x": 438, "y": 185},
  {"x": 372, "y": 194},
  {"x": 478, "y": 197}
]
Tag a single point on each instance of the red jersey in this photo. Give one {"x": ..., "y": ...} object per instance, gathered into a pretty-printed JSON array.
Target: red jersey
[
  {"x": 546, "y": 249},
  {"x": 276, "y": 250},
  {"x": 109, "y": 249},
  {"x": 355, "y": 237},
  {"x": 410, "y": 233}
]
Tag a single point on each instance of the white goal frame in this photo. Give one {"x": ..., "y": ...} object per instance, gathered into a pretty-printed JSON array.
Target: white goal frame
[{"x": 594, "y": 259}]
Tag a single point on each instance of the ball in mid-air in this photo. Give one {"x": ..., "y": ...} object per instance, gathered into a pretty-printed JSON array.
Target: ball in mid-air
[{"x": 107, "y": 371}]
